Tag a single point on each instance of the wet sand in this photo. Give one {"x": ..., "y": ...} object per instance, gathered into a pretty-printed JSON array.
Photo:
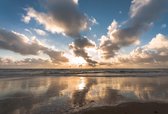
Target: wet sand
[
  {"x": 129, "y": 108},
  {"x": 67, "y": 95}
]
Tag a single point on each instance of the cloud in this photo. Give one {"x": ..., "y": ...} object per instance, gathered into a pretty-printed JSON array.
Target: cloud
[
  {"x": 32, "y": 61},
  {"x": 93, "y": 21},
  {"x": 163, "y": 26},
  {"x": 110, "y": 44},
  {"x": 56, "y": 56},
  {"x": 40, "y": 32},
  {"x": 155, "y": 53},
  {"x": 29, "y": 31},
  {"x": 25, "y": 63},
  {"x": 75, "y": 1},
  {"x": 79, "y": 48},
  {"x": 142, "y": 15},
  {"x": 64, "y": 17},
  {"x": 5, "y": 61},
  {"x": 21, "y": 44},
  {"x": 120, "y": 12}
]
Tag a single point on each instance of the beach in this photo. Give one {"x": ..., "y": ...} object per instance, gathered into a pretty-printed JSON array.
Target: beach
[
  {"x": 129, "y": 108},
  {"x": 83, "y": 91}
]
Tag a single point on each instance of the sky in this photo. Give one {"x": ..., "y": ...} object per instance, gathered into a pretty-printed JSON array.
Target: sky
[{"x": 84, "y": 34}]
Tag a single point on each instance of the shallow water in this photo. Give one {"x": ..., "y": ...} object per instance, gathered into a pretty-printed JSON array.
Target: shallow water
[{"x": 59, "y": 95}]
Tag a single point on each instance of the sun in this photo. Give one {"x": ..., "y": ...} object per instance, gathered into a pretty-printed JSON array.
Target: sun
[{"x": 75, "y": 61}]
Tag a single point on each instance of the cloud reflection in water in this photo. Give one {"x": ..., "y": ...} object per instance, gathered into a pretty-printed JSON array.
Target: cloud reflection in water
[{"x": 63, "y": 94}]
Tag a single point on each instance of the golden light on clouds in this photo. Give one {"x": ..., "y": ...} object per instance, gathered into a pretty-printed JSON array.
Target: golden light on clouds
[
  {"x": 75, "y": 61},
  {"x": 75, "y": 1}
]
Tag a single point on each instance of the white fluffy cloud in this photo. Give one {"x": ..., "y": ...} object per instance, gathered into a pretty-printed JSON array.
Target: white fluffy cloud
[
  {"x": 40, "y": 32},
  {"x": 62, "y": 16},
  {"x": 107, "y": 43},
  {"x": 6, "y": 61},
  {"x": 155, "y": 53},
  {"x": 47, "y": 21},
  {"x": 75, "y": 1},
  {"x": 142, "y": 15},
  {"x": 136, "y": 6}
]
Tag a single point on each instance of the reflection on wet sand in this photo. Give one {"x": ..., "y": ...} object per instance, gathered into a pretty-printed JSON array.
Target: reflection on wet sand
[
  {"x": 27, "y": 95},
  {"x": 79, "y": 96},
  {"x": 61, "y": 95},
  {"x": 112, "y": 96}
]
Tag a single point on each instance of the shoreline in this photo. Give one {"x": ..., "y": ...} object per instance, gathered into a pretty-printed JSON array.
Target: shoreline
[
  {"x": 128, "y": 108},
  {"x": 83, "y": 73}
]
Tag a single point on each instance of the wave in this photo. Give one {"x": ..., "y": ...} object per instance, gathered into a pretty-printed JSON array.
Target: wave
[{"x": 84, "y": 72}]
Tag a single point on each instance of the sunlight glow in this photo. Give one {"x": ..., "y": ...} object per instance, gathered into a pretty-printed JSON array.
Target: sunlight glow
[
  {"x": 82, "y": 84},
  {"x": 79, "y": 61},
  {"x": 75, "y": 1}
]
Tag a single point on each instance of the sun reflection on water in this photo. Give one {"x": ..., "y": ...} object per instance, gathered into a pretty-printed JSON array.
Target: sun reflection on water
[{"x": 82, "y": 83}]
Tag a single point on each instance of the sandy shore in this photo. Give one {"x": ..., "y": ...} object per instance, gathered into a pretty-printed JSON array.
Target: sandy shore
[{"x": 129, "y": 108}]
